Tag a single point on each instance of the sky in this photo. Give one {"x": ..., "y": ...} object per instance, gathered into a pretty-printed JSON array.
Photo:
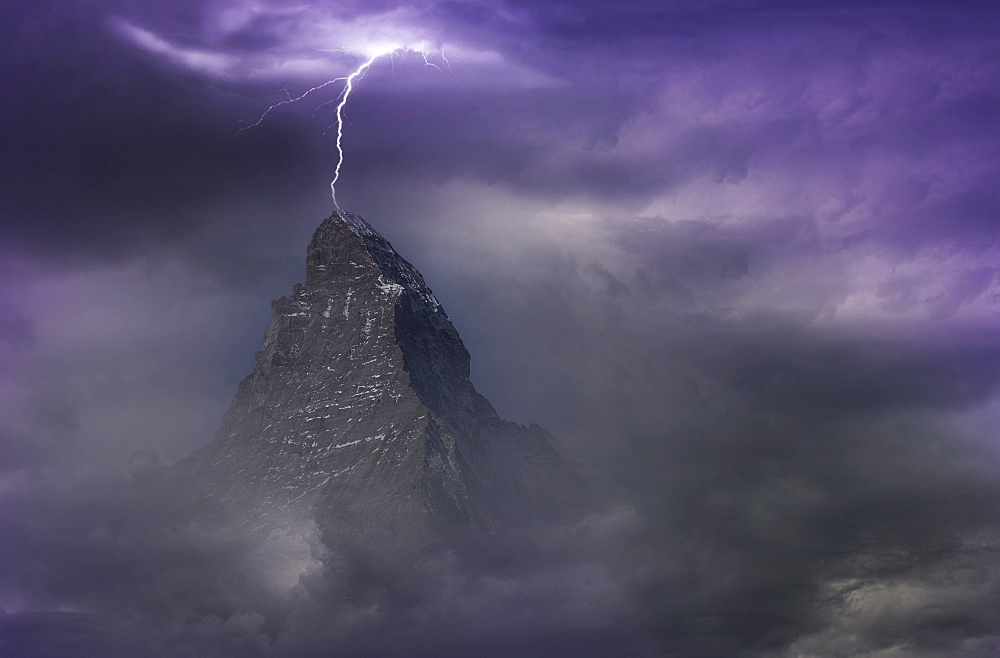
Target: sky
[{"x": 739, "y": 257}]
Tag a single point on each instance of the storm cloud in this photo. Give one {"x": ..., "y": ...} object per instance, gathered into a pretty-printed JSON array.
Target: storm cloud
[{"x": 739, "y": 257}]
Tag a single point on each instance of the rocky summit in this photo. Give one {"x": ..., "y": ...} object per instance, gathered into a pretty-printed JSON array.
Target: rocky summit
[{"x": 360, "y": 414}]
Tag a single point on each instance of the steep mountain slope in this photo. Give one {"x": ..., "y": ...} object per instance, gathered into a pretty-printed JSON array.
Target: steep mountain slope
[{"x": 359, "y": 412}]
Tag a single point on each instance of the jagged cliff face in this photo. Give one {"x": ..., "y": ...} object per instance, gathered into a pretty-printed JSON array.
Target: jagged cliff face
[{"x": 360, "y": 413}]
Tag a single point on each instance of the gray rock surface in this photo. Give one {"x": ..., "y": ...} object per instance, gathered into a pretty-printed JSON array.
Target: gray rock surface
[{"x": 359, "y": 413}]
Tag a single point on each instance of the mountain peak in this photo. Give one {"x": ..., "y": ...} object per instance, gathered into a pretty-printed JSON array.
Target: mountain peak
[
  {"x": 360, "y": 413},
  {"x": 345, "y": 241}
]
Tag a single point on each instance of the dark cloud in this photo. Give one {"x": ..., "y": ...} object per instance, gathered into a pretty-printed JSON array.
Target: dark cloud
[
  {"x": 741, "y": 257},
  {"x": 811, "y": 511},
  {"x": 106, "y": 152},
  {"x": 110, "y": 147},
  {"x": 166, "y": 580}
]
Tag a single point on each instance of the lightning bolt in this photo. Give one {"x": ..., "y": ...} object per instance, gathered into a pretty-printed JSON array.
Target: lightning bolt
[
  {"x": 348, "y": 88},
  {"x": 341, "y": 100},
  {"x": 287, "y": 101}
]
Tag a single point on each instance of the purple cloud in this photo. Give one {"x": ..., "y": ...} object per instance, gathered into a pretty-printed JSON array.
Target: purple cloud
[{"x": 741, "y": 256}]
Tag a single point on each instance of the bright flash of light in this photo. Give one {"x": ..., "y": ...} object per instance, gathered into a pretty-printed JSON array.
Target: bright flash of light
[
  {"x": 348, "y": 88},
  {"x": 345, "y": 95}
]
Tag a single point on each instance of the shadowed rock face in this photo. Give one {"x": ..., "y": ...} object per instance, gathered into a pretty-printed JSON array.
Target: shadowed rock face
[{"x": 360, "y": 414}]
